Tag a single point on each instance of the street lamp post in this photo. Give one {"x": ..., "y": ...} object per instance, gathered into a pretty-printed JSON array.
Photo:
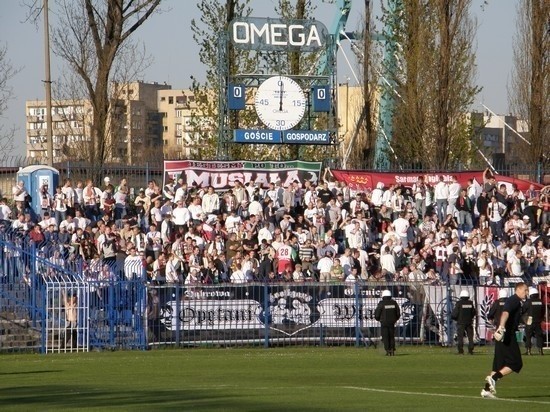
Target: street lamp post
[{"x": 48, "y": 85}]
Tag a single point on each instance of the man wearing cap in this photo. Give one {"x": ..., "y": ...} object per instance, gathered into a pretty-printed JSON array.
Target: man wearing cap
[
  {"x": 464, "y": 313},
  {"x": 534, "y": 313},
  {"x": 387, "y": 313}
]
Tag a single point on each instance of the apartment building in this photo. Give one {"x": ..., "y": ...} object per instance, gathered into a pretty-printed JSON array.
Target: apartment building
[
  {"x": 184, "y": 129},
  {"x": 134, "y": 129}
]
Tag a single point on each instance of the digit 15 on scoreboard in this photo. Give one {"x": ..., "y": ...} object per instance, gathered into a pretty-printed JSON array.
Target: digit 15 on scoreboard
[{"x": 321, "y": 98}]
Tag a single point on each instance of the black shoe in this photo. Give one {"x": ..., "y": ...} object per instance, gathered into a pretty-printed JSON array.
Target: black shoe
[
  {"x": 541, "y": 352},
  {"x": 470, "y": 352},
  {"x": 460, "y": 353},
  {"x": 388, "y": 353},
  {"x": 527, "y": 352}
]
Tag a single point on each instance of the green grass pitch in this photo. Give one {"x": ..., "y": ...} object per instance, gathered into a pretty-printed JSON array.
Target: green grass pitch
[{"x": 275, "y": 379}]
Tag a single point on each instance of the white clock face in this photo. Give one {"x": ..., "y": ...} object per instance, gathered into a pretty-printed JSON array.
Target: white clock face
[{"x": 280, "y": 103}]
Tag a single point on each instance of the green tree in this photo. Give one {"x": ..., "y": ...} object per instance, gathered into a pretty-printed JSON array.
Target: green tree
[
  {"x": 529, "y": 94},
  {"x": 208, "y": 32},
  {"x": 434, "y": 78}
]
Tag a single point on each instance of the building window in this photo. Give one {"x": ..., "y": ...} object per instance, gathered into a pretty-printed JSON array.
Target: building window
[
  {"x": 165, "y": 128},
  {"x": 163, "y": 99},
  {"x": 171, "y": 100}
]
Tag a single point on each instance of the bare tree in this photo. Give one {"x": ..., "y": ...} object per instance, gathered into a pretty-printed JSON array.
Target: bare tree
[
  {"x": 90, "y": 37},
  {"x": 529, "y": 94},
  {"x": 7, "y": 132}
]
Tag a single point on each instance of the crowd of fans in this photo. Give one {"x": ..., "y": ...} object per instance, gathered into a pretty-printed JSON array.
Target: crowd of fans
[{"x": 287, "y": 232}]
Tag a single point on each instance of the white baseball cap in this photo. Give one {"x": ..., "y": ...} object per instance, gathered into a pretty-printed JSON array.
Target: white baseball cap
[
  {"x": 533, "y": 291},
  {"x": 464, "y": 294},
  {"x": 386, "y": 293},
  {"x": 502, "y": 293}
]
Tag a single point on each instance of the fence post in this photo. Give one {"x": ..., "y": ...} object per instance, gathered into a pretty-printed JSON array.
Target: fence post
[
  {"x": 68, "y": 169},
  {"x": 111, "y": 312},
  {"x": 178, "y": 311},
  {"x": 43, "y": 322},
  {"x": 147, "y": 174},
  {"x": 266, "y": 316},
  {"x": 33, "y": 279},
  {"x": 448, "y": 321},
  {"x": 358, "y": 313}
]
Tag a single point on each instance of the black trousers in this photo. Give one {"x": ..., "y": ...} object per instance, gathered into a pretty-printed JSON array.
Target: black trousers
[
  {"x": 533, "y": 330},
  {"x": 460, "y": 330},
  {"x": 388, "y": 336},
  {"x": 507, "y": 353}
]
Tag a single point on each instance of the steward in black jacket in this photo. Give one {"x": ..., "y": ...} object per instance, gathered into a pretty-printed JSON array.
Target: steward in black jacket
[
  {"x": 387, "y": 313},
  {"x": 464, "y": 313}
]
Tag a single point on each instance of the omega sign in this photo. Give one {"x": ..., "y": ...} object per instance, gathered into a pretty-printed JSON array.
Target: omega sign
[{"x": 272, "y": 34}]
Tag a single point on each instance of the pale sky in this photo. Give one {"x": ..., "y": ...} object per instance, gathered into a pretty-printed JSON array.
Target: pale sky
[{"x": 168, "y": 38}]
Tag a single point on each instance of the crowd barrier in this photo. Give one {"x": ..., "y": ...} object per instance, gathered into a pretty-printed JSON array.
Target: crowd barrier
[{"x": 69, "y": 308}]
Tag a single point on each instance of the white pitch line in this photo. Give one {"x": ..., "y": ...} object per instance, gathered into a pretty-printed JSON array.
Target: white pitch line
[{"x": 441, "y": 395}]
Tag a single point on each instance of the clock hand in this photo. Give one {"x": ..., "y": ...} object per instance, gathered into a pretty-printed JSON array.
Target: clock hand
[{"x": 281, "y": 91}]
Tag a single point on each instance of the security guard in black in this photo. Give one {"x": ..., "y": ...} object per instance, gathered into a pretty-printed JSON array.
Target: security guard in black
[
  {"x": 464, "y": 313},
  {"x": 534, "y": 313},
  {"x": 387, "y": 313},
  {"x": 495, "y": 312}
]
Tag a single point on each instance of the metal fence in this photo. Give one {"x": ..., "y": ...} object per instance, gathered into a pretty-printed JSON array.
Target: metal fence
[
  {"x": 49, "y": 307},
  {"x": 53, "y": 302}
]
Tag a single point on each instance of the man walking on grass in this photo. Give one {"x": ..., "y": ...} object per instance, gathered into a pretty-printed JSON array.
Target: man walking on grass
[{"x": 507, "y": 357}]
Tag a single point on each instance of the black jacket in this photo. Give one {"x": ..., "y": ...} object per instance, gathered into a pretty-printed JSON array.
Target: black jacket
[
  {"x": 387, "y": 312},
  {"x": 496, "y": 311},
  {"x": 534, "y": 308},
  {"x": 464, "y": 312}
]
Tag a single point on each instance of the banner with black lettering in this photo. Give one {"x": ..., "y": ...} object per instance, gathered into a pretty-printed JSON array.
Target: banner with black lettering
[
  {"x": 298, "y": 311},
  {"x": 223, "y": 175}
]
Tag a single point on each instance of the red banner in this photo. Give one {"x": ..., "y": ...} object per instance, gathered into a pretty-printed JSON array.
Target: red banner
[{"x": 365, "y": 180}]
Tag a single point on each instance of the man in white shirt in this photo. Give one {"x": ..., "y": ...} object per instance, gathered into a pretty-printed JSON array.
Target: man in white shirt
[
  {"x": 232, "y": 222},
  {"x": 265, "y": 234},
  {"x": 19, "y": 192},
  {"x": 46, "y": 221},
  {"x": 324, "y": 266},
  {"x": 514, "y": 265},
  {"x": 210, "y": 201},
  {"x": 181, "y": 192},
  {"x": 377, "y": 195},
  {"x": 454, "y": 192},
  {"x": 495, "y": 212},
  {"x": 485, "y": 265},
  {"x": 401, "y": 226},
  {"x": 180, "y": 215},
  {"x": 133, "y": 266},
  {"x": 255, "y": 208},
  {"x": 441, "y": 194},
  {"x": 355, "y": 236},
  {"x": 5, "y": 211},
  {"x": 195, "y": 208}
]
